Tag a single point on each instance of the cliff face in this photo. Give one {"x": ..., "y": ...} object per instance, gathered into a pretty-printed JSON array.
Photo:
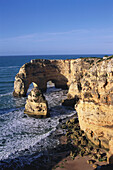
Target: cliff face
[
  {"x": 89, "y": 79},
  {"x": 39, "y": 72},
  {"x": 95, "y": 106}
]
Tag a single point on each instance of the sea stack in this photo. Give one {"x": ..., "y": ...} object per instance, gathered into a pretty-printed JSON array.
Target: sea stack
[
  {"x": 90, "y": 83},
  {"x": 36, "y": 104}
]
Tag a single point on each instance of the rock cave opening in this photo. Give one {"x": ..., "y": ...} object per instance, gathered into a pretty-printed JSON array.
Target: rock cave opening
[
  {"x": 50, "y": 84},
  {"x": 30, "y": 88}
]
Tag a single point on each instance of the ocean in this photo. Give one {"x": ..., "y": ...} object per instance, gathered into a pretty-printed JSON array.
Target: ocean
[{"x": 23, "y": 137}]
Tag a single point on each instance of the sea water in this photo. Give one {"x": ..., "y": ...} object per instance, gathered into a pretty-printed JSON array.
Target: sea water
[{"x": 22, "y": 136}]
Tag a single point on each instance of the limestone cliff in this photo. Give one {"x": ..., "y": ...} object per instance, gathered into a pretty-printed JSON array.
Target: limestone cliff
[
  {"x": 39, "y": 72},
  {"x": 95, "y": 106},
  {"x": 90, "y": 81}
]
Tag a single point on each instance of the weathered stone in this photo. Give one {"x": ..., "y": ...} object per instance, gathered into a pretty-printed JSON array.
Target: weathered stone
[
  {"x": 110, "y": 153},
  {"x": 91, "y": 161},
  {"x": 95, "y": 165},
  {"x": 73, "y": 120},
  {"x": 40, "y": 72},
  {"x": 36, "y": 105},
  {"x": 95, "y": 106},
  {"x": 90, "y": 79},
  {"x": 61, "y": 72}
]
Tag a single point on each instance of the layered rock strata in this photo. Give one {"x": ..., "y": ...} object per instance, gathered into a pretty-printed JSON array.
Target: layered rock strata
[
  {"x": 90, "y": 81},
  {"x": 36, "y": 105},
  {"x": 39, "y": 72},
  {"x": 95, "y": 106}
]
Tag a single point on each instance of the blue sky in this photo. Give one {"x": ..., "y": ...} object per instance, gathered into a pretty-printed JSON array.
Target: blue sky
[{"x": 56, "y": 27}]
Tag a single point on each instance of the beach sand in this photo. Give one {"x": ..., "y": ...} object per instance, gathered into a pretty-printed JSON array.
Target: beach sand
[{"x": 79, "y": 163}]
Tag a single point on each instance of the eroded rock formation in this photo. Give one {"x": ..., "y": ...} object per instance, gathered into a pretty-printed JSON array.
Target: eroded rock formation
[
  {"x": 39, "y": 72},
  {"x": 36, "y": 104},
  {"x": 95, "y": 106},
  {"x": 89, "y": 79}
]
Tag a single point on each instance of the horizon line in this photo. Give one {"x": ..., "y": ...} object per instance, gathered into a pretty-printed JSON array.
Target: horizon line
[{"x": 51, "y": 54}]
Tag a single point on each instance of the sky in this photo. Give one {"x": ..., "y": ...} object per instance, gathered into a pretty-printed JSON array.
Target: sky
[{"x": 43, "y": 27}]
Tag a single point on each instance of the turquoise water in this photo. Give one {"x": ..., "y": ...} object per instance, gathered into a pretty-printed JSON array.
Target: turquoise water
[{"x": 21, "y": 135}]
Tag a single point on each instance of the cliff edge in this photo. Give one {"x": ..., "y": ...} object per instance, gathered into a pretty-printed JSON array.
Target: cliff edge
[{"x": 89, "y": 80}]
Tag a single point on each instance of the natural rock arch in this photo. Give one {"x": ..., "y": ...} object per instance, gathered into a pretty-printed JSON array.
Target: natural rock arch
[
  {"x": 61, "y": 72},
  {"x": 40, "y": 72},
  {"x": 91, "y": 79}
]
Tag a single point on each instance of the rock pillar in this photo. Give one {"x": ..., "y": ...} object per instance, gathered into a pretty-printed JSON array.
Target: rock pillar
[{"x": 36, "y": 104}]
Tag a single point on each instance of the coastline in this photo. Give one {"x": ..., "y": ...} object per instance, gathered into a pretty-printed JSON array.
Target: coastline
[
  {"x": 38, "y": 159},
  {"x": 60, "y": 158},
  {"x": 78, "y": 161},
  {"x": 57, "y": 158}
]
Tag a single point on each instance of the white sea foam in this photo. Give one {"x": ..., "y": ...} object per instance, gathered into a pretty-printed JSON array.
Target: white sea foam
[
  {"x": 6, "y": 94},
  {"x": 20, "y": 135},
  {"x": 6, "y": 67}
]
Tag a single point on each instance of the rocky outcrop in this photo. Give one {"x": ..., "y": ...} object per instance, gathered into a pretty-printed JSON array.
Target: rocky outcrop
[
  {"x": 110, "y": 153},
  {"x": 39, "y": 72},
  {"x": 90, "y": 83},
  {"x": 36, "y": 105},
  {"x": 95, "y": 106}
]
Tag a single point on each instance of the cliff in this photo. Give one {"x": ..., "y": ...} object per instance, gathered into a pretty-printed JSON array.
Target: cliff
[
  {"x": 95, "y": 106},
  {"x": 39, "y": 72},
  {"x": 90, "y": 81}
]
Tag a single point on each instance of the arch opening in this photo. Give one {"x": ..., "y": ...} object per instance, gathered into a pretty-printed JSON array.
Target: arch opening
[
  {"x": 30, "y": 87},
  {"x": 51, "y": 86}
]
